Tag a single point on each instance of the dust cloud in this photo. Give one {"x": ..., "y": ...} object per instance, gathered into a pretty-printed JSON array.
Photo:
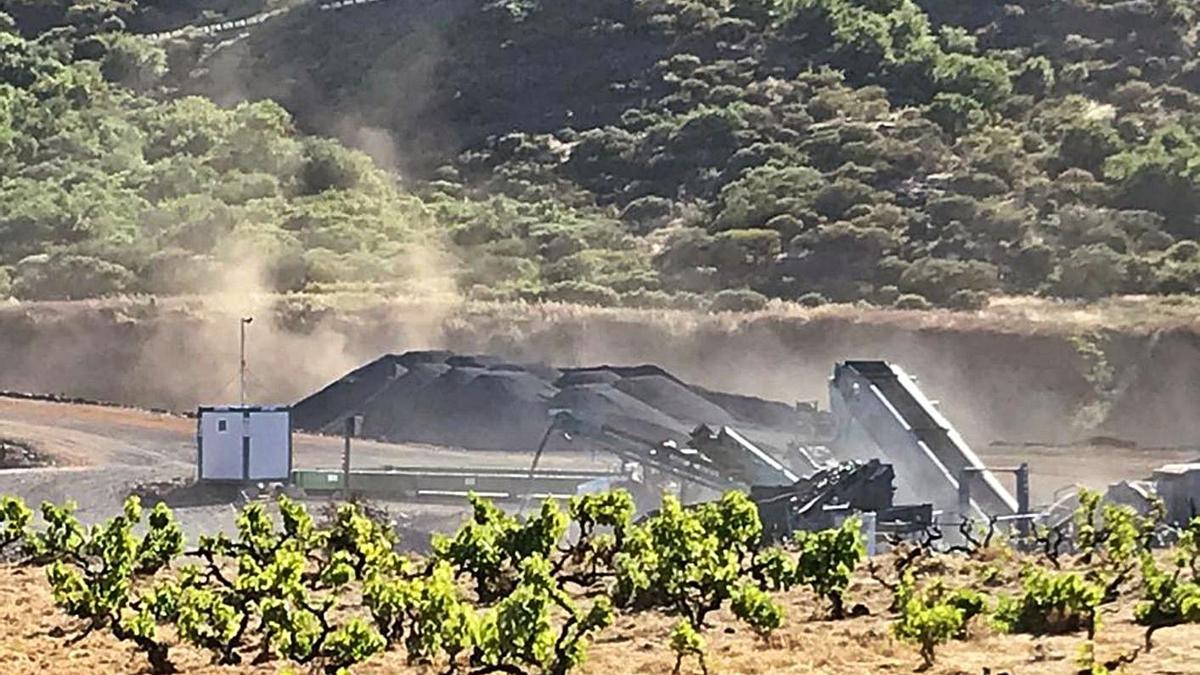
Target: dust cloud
[{"x": 177, "y": 353}]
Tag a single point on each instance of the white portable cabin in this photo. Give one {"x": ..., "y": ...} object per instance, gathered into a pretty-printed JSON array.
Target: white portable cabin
[{"x": 244, "y": 443}]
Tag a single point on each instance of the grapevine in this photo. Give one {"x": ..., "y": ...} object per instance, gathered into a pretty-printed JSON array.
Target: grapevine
[
  {"x": 14, "y": 521},
  {"x": 94, "y": 577},
  {"x": 933, "y": 616},
  {"x": 1171, "y": 598},
  {"x": 490, "y": 547},
  {"x": 828, "y": 560},
  {"x": 1050, "y": 604},
  {"x": 685, "y": 642}
]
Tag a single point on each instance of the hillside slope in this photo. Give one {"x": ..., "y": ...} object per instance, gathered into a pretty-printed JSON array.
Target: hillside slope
[
  {"x": 948, "y": 150},
  {"x": 651, "y": 153}
]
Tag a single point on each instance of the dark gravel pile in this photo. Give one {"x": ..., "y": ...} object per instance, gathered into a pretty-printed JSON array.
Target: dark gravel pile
[
  {"x": 21, "y": 455},
  {"x": 485, "y": 402}
]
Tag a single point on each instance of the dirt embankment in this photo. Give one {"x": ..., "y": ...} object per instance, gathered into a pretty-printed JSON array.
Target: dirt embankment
[{"x": 1021, "y": 372}]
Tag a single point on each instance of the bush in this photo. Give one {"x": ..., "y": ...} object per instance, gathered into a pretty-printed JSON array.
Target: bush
[
  {"x": 1171, "y": 598},
  {"x": 1178, "y": 279},
  {"x": 765, "y": 192},
  {"x": 685, "y": 642},
  {"x": 967, "y": 300},
  {"x": 1154, "y": 240},
  {"x": 812, "y": 300},
  {"x": 955, "y": 113},
  {"x": 828, "y": 559},
  {"x": 787, "y": 225},
  {"x": 15, "y": 517},
  {"x": 837, "y": 198},
  {"x": 69, "y": 277},
  {"x": 886, "y": 296},
  {"x": 643, "y": 299},
  {"x": 173, "y": 271},
  {"x": 1032, "y": 266},
  {"x": 96, "y": 578},
  {"x": 978, "y": 185},
  {"x": 329, "y": 166},
  {"x": 693, "y": 560},
  {"x": 1091, "y": 272},
  {"x": 938, "y": 279},
  {"x": 912, "y": 301},
  {"x": 133, "y": 62},
  {"x": 737, "y": 248},
  {"x": 1183, "y": 251},
  {"x": 738, "y": 300},
  {"x": 689, "y": 301},
  {"x": 647, "y": 213},
  {"x": 581, "y": 293}
]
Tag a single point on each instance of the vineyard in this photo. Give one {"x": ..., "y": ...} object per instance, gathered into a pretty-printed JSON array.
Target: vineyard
[{"x": 507, "y": 594}]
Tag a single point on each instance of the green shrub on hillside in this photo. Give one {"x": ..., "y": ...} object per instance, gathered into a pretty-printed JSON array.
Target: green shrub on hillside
[{"x": 743, "y": 300}]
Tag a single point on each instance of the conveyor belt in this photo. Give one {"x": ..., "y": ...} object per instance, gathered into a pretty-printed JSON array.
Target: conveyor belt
[{"x": 881, "y": 400}]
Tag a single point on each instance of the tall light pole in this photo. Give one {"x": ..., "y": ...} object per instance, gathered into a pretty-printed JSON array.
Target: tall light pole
[{"x": 246, "y": 321}]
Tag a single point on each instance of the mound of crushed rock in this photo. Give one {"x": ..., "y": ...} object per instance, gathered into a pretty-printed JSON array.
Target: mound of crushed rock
[
  {"x": 21, "y": 455},
  {"x": 486, "y": 402}
]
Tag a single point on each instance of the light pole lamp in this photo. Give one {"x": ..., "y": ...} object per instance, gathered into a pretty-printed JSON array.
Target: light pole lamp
[{"x": 246, "y": 321}]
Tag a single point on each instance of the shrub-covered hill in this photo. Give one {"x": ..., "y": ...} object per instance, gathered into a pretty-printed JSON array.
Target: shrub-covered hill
[
  {"x": 112, "y": 182},
  {"x": 884, "y": 147},
  {"x": 690, "y": 152}
]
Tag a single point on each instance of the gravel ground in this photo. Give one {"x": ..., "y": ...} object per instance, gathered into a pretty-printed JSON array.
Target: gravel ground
[{"x": 106, "y": 454}]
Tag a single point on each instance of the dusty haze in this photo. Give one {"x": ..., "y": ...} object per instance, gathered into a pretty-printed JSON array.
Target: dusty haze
[{"x": 996, "y": 378}]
